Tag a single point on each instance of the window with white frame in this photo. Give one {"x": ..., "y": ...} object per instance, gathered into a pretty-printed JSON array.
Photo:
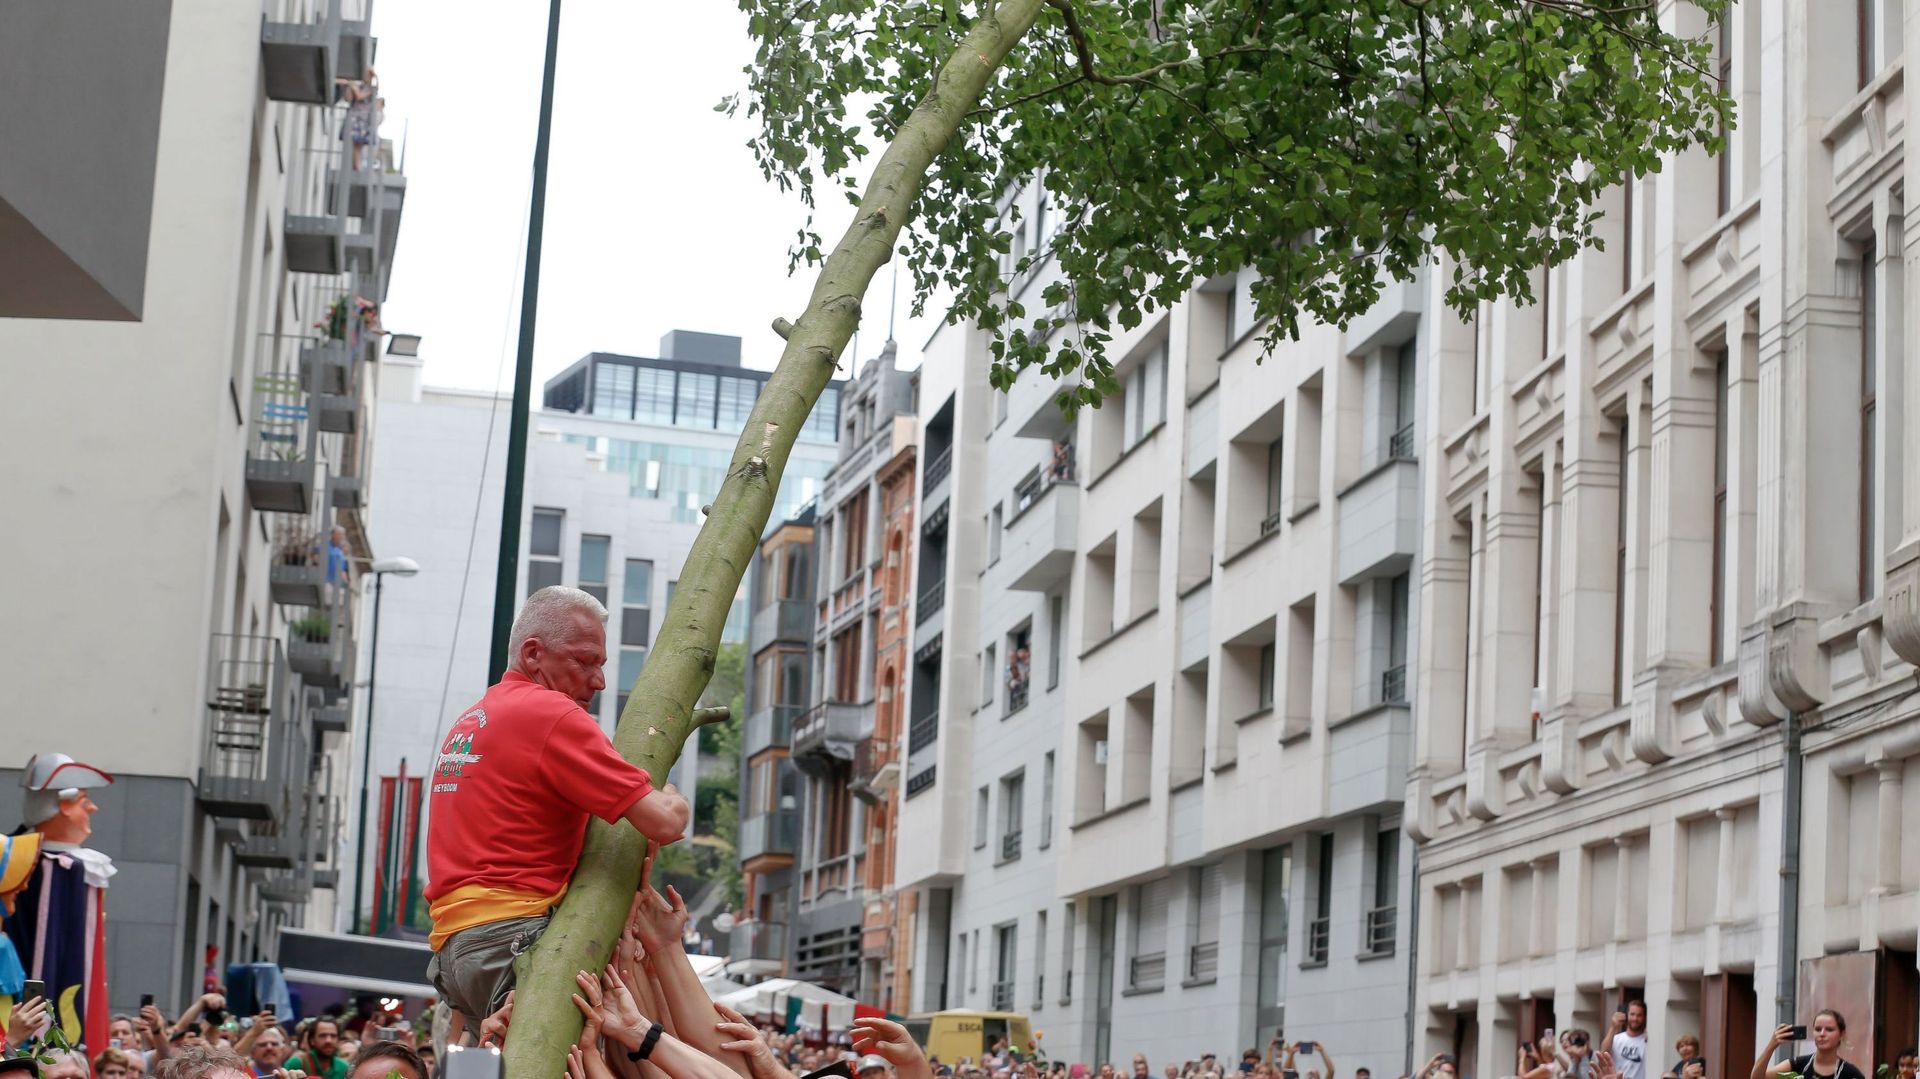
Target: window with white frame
[{"x": 543, "y": 549}]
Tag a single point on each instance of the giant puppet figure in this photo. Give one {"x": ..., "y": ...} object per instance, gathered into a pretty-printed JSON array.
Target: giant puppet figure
[{"x": 59, "y": 921}]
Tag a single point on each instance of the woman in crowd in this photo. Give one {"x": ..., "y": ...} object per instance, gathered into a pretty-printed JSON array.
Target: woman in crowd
[{"x": 1829, "y": 1031}]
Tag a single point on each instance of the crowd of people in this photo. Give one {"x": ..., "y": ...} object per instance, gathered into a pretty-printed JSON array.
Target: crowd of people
[{"x": 209, "y": 1042}]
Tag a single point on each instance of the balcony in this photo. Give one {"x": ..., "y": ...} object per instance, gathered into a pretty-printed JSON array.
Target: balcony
[
  {"x": 339, "y": 413},
  {"x": 921, "y": 780},
  {"x": 297, "y": 578},
  {"x": 938, "y": 469},
  {"x": 329, "y": 718},
  {"x": 923, "y": 732},
  {"x": 282, "y": 850},
  {"x": 932, "y": 598},
  {"x": 1037, "y": 548},
  {"x": 347, "y": 493},
  {"x": 769, "y": 834},
  {"x": 1380, "y": 522},
  {"x": 781, "y": 620},
  {"x": 761, "y": 942},
  {"x": 327, "y": 367},
  {"x": 769, "y": 728},
  {"x": 829, "y": 731},
  {"x": 297, "y": 59},
  {"x": 374, "y": 185},
  {"x": 326, "y": 878},
  {"x": 318, "y": 647},
  {"x": 876, "y": 770},
  {"x": 1381, "y": 925},
  {"x": 316, "y": 243},
  {"x": 279, "y": 469},
  {"x": 249, "y": 750}
]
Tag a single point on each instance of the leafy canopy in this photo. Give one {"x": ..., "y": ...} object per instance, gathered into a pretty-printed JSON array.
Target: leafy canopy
[{"x": 1319, "y": 142}]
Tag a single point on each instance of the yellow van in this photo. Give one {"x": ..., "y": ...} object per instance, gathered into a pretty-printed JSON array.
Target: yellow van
[{"x": 948, "y": 1036}]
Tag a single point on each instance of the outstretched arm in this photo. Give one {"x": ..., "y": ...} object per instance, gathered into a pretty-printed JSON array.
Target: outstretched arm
[
  {"x": 661, "y": 815},
  {"x": 660, "y": 922}
]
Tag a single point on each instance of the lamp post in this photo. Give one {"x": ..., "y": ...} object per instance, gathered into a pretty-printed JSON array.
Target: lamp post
[{"x": 399, "y": 567}]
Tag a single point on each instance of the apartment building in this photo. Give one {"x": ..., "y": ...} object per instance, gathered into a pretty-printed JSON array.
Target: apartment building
[
  {"x": 1670, "y": 557},
  {"x": 850, "y": 639},
  {"x": 622, "y": 458},
  {"x": 195, "y": 427},
  {"x": 1162, "y": 722}
]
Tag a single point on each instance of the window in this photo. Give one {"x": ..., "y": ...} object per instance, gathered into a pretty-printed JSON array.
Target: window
[
  {"x": 1066, "y": 956},
  {"x": 1393, "y": 680},
  {"x": 632, "y": 660},
  {"x": 1276, "y": 461},
  {"x": 1400, "y": 443},
  {"x": 593, "y": 566},
  {"x": 1056, "y": 644},
  {"x": 736, "y": 402},
  {"x": 1145, "y": 397},
  {"x": 995, "y": 525},
  {"x": 989, "y": 673},
  {"x": 960, "y": 969},
  {"x": 1019, "y": 667},
  {"x": 1203, "y": 924},
  {"x": 1276, "y": 878},
  {"x": 543, "y": 549},
  {"x": 1318, "y": 931},
  {"x": 1006, "y": 943},
  {"x": 847, "y": 664},
  {"x": 980, "y": 800},
  {"x": 1265, "y": 687},
  {"x": 636, "y": 611},
  {"x": 1241, "y": 318},
  {"x": 1013, "y": 793},
  {"x": 693, "y": 405},
  {"x": 853, "y": 536},
  {"x": 613, "y": 390},
  {"x": 653, "y": 396},
  {"x": 825, "y": 417},
  {"x": 1866, "y": 29},
  {"x": 1620, "y": 671},
  {"x": 1627, "y": 191},
  {"x": 1723, "y": 162},
  {"x": 1147, "y": 965},
  {"x": 1046, "y": 801},
  {"x": 1869, "y": 413},
  {"x": 1717, "y": 615},
  {"x": 1381, "y": 916},
  {"x": 1040, "y": 958}
]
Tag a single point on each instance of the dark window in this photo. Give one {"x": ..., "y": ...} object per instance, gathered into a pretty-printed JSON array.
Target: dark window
[
  {"x": 635, "y": 623},
  {"x": 1869, "y": 419},
  {"x": 1620, "y": 577},
  {"x": 545, "y": 539},
  {"x": 1717, "y": 624}
]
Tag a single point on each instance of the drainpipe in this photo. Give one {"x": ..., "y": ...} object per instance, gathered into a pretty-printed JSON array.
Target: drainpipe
[
  {"x": 1413, "y": 959},
  {"x": 1790, "y": 813}
]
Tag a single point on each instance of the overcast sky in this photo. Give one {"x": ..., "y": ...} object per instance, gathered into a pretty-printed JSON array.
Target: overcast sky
[{"x": 657, "y": 217}]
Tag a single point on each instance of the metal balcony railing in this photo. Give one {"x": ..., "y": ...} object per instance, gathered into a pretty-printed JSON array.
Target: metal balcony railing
[
  {"x": 1147, "y": 971},
  {"x": 876, "y": 769},
  {"x": 782, "y": 620},
  {"x": 1270, "y": 523},
  {"x": 1003, "y": 996},
  {"x": 1318, "y": 932},
  {"x": 1040, "y": 989},
  {"x": 250, "y": 747},
  {"x": 770, "y": 728},
  {"x": 923, "y": 732},
  {"x": 938, "y": 468},
  {"x": 831, "y": 728},
  {"x": 1066, "y": 986},
  {"x": 1017, "y": 694},
  {"x": 1400, "y": 446},
  {"x": 1010, "y": 845},
  {"x": 755, "y": 939},
  {"x": 932, "y": 598},
  {"x": 1393, "y": 684},
  {"x": 921, "y": 780},
  {"x": 1203, "y": 961},
  {"x": 1382, "y": 923},
  {"x": 762, "y": 834},
  {"x": 279, "y": 470}
]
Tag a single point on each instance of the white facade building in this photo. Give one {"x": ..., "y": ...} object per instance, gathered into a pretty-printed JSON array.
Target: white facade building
[
  {"x": 1671, "y": 555},
  {"x": 172, "y": 478},
  {"x": 612, "y": 506},
  {"x": 1180, "y": 831}
]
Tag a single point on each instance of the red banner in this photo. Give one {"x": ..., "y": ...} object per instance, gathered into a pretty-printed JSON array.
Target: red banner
[
  {"x": 385, "y": 835},
  {"x": 404, "y": 881}
]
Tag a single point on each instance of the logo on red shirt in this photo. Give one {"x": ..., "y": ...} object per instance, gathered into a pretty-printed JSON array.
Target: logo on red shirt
[{"x": 458, "y": 752}]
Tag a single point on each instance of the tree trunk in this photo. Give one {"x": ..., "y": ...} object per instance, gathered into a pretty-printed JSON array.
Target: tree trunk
[{"x": 659, "y": 715}]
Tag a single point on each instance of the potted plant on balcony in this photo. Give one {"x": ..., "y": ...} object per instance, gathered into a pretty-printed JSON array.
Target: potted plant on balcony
[{"x": 314, "y": 628}]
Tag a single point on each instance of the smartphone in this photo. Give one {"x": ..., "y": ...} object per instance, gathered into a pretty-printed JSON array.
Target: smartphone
[
  {"x": 389, "y": 1034},
  {"x": 34, "y": 990},
  {"x": 269, "y": 1008},
  {"x": 1307, "y": 1047},
  {"x": 1796, "y": 1034},
  {"x": 470, "y": 1062},
  {"x": 146, "y": 1000}
]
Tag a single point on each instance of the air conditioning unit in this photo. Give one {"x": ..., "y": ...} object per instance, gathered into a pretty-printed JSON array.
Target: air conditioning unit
[{"x": 1100, "y": 753}]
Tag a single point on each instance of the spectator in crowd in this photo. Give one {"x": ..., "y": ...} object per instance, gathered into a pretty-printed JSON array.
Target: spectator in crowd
[
  {"x": 1829, "y": 1031},
  {"x": 204, "y": 1062},
  {"x": 110, "y": 1064},
  {"x": 1575, "y": 1053},
  {"x": 379, "y": 1059},
  {"x": 67, "y": 1064},
  {"x": 322, "y": 1058},
  {"x": 1907, "y": 1064},
  {"x": 1627, "y": 1040},
  {"x": 427, "y": 1059},
  {"x": 1687, "y": 1048},
  {"x": 269, "y": 1049},
  {"x": 1442, "y": 1066},
  {"x": 873, "y": 1066},
  {"x": 1140, "y": 1069},
  {"x": 1363, "y": 1073},
  {"x": 538, "y": 769}
]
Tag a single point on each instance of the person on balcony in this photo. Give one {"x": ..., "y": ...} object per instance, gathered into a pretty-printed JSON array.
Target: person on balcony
[{"x": 526, "y": 762}]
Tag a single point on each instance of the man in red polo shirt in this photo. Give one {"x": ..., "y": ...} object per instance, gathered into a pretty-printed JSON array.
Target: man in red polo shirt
[{"x": 515, "y": 782}]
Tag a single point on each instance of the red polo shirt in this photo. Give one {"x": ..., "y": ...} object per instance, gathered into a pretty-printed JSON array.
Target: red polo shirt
[{"x": 513, "y": 786}]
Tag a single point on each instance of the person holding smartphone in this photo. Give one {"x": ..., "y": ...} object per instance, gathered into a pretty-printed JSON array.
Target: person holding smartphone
[{"x": 1828, "y": 1032}]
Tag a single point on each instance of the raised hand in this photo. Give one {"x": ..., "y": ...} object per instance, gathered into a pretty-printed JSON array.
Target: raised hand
[
  {"x": 29, "y": 1021},
  {"x": 493, "y": 1029},
  {"x": 607, "y": 996},
  {"x": 746, "y": 1041},
  {"x": 660, "y": 921},
  {"x": 890, "y": 1041}
]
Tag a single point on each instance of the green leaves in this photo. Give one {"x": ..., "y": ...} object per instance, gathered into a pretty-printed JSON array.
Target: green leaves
[{"x": 1328, "y": 144}]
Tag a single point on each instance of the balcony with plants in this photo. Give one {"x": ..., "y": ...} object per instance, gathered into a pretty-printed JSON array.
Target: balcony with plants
[{"x": 252, "y": 744}]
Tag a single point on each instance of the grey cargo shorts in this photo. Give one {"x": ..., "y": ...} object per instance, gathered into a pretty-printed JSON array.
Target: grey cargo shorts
[{"x": 474, "y": 970}]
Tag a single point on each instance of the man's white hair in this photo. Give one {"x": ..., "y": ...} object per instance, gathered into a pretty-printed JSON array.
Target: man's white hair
[{"x": 549, "y": 614}]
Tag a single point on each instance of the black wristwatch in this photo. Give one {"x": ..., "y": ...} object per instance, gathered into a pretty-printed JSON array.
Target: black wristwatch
[{"x": 647, "y": 1043}]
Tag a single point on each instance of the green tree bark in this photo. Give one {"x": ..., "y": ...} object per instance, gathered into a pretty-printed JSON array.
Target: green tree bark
[{"x": 660, "y": 714}]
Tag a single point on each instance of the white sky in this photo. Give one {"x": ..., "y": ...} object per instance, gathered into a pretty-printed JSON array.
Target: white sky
[{"x": 657, "y": 217}]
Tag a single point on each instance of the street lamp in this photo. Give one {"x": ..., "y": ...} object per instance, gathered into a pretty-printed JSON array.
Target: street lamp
[{"x": 399, "y": 567}]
